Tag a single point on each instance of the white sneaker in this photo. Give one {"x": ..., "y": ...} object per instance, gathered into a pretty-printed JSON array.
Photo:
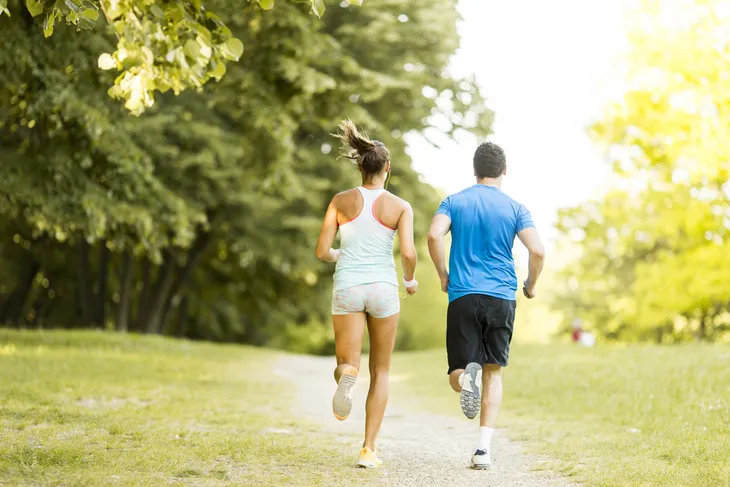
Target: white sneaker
[{"x": 481, "y": 460}]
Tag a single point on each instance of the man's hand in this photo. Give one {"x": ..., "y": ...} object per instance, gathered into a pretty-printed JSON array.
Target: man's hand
[
  {"x": 445, "y": 283},
  {"x": 531, "y": 240},
  {"x": 528, "y": 290}
]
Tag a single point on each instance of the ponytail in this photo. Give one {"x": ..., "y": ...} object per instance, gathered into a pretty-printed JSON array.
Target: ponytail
[{"x": 370, "y": 155}]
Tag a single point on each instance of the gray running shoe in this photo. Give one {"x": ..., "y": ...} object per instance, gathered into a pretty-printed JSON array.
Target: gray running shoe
[
  {"x": 342, "y": 402},
  {"x": 471, "y": 398}
]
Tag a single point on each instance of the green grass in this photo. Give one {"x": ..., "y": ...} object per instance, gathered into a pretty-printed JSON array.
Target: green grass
[
  {"x": 84, "y": 408},
  {"x": 611, "y": 416}
]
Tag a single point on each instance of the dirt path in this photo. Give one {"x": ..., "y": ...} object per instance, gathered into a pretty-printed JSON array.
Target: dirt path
[{"x": 418, "y": 448}]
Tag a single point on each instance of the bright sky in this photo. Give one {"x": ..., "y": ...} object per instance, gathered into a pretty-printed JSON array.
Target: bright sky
[{"x": 547, "y": 68}]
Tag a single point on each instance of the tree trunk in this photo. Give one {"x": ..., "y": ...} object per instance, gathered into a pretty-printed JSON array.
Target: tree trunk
[
  {"x": 15, "y": 302},
  {"x": 85, "y": 292},
  {"x": 125, "y": 292},
  {"x": 37, "y": 309},
  {"x": 194, "y": 255},
  {"x": 702, "y": 329},
  {"x": 182, "y": 317},
  {"x": 659, "y": 334},
  {"x": 160, "y": 294},
  {"x": 144, "y": 294},
  {"x": 101, "y": 297}
]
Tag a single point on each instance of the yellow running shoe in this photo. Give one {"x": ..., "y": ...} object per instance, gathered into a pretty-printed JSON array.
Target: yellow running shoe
[
  {"x": 342, "y": 402},
  {"x": 368, "y": 459}
]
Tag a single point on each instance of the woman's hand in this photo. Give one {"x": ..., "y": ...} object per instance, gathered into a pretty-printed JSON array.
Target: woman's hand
[
  {"x": 411, "y": 286},
  {"x": 413, "y": 289}
]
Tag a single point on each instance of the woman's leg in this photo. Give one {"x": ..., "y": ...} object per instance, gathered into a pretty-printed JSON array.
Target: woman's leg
[
  {"x": 382, "y": 340},
  {"x": 349, "y": 330}
]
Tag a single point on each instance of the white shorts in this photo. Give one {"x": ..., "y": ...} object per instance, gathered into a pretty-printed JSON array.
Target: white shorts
[{"x": 379, "y": 300}]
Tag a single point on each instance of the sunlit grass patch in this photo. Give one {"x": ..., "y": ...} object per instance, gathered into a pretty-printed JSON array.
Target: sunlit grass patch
[
  {"x": 614, "y": 416},
  {"x": 107, "y": 409}
]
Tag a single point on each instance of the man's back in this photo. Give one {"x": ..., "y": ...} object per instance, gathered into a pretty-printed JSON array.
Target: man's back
[{"x": 484, "y": 223}]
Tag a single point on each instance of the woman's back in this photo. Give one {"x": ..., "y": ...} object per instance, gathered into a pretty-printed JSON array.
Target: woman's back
[{"x": 367, "y": 221}]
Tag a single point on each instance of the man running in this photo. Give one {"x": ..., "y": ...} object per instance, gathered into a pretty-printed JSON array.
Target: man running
[{"x": 481, "y": 283}]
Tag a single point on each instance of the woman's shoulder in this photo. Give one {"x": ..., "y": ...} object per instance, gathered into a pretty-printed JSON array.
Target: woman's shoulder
[
  {"x": 346, "y": 196},
  {"x": 397, "y": 201}
]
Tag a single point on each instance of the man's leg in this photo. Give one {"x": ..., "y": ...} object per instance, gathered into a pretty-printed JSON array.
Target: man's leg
[
  {"x": 465, "y": 350},
  {"x": 491, "y": 394},
  {"x": 499, "y": 314},
  {"x": 455, "y": 379},
  {"x": 491, "y": 401}
]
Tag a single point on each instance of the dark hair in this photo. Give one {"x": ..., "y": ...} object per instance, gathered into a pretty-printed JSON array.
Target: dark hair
[
  {"x": 370, "y": 155},
  {"x": 489, "y": 161}
]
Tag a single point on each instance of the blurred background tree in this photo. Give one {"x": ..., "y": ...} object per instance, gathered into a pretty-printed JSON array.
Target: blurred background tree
[
  {"x": 198, "y": 218},
  {"x": 654, "y": 252}
]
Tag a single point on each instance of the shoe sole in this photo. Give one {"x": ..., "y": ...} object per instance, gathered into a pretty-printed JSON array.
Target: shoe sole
[
  {"x": 367, "y": 465},
  {"x": 341, "y": 402},
  {"x": 480, "y": 467},
  {"x": 471, "y": 400}
]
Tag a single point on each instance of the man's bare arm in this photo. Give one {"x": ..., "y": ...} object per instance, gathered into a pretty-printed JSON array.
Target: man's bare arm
[
  {"x": 440, "y": 226},
  {"x": 531, "y": 240}
]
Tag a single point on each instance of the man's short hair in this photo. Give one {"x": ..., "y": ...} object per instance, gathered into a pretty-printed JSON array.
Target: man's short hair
[{"x": 489, "y": 161}]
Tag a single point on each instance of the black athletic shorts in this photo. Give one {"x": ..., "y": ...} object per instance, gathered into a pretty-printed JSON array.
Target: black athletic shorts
[{"x": 479, "y": 329}]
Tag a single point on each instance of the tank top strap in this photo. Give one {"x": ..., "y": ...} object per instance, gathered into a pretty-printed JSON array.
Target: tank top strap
[{"x": 368, "y": 197}]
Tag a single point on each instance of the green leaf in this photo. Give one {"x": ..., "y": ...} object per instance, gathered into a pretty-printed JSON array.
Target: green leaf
[
  {"x": 232, "y": 49},
  {"x": 175, "y": 14},
  {"x": 192, "y": 49},
  {"x": 91, "y": 14},
  {"x": 266, "y": 4},
  {"x": 318, "y": 7},
  {"x": 113, "y": 9},
  {"x": 355, "y": 2},
  {"x": 35, "y": 7},
  {"x": 48, "y": 24},
  {"x": 206, "y": 49},
  {"x": 218, "y": 71},
  {"x": 73, "y": 6},
  {"x": 4, "y": 7},
  {"x": 157, "y": 11}
]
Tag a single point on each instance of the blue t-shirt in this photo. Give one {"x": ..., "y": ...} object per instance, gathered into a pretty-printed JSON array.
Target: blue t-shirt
[{"x": 484, "y": 223}]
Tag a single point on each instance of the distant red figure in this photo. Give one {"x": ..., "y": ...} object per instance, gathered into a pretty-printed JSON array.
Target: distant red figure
[
  {"x": 582, "y": 337},
  {"x": 577, "y": 331}
]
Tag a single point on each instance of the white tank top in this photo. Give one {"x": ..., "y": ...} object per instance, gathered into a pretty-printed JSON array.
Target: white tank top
[{"x": 366, "y": 247}]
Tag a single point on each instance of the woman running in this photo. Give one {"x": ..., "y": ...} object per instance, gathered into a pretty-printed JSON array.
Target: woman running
[{"x": 365, "y": 283}]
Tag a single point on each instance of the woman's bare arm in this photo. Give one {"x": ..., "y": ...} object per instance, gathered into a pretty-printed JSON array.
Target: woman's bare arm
[
  {"x": 327, "y": 236},
  {"x": 409, "y": 257}
]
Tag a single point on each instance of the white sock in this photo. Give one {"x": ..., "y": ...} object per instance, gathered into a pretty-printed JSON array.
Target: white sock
[{"x": 485, "y": 438}]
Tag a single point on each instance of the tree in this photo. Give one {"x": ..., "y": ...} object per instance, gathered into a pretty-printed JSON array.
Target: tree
[
  {"x": 217, "y": 197},
  {"x": 660, "y": 243},
  {"x": 161, "y": 46}
]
